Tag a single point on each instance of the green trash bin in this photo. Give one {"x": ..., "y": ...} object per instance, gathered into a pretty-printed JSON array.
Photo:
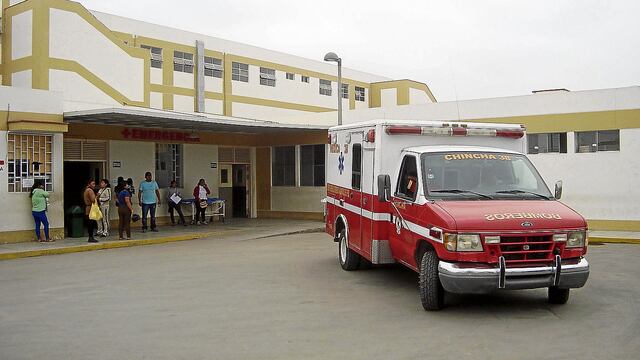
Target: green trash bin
[{"x": 76, "y": 222}]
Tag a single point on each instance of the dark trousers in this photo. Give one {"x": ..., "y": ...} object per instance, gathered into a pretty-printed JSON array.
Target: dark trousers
[
  {"x": 124, "y": 225},
  {"x": 146, "y": 208},
  {"x": 91, "y": 226},
  {"x": 40, "y": 217},
  {"x": 200, "y": 212},
  {"x": 175, "y": 206}
]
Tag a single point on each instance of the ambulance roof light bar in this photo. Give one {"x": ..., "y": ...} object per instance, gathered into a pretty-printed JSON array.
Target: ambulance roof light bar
[{"x": 454, "y": 130}]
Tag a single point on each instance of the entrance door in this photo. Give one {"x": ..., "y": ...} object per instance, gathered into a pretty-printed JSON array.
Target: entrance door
[
  {"x": 355, "y": 220},
  {"x": 76, "y": 175},
  {"x": 240, "y": 193}
]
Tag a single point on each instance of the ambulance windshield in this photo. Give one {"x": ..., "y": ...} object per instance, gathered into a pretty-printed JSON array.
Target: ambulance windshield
[{"x": 481, "y": 175}]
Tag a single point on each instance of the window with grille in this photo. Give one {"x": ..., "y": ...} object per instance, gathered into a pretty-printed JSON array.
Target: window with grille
[
  {"x": 29, "y": 158},
  {"x": 325, "y": 87},
  {"x": 156, "y": 55},
  {"x": 284, "y": 166},
  {"x": 183, "y": 62},
  {"x": 312, "y": 165},
  {"x": 359, "y": 93},
  {"x": 168, "y": 164},
  {"x": 239, "y": 72},
  {"x": 547, "y": 143},
  {"x": 267, "y": 76},
  {"x": 213, "y": 67},
  {"x": 592, "y": 141},
  {"x": 344, "y": 91},
  {"x": 304, "y": 79},
  {"x": 291, "y": 76}
]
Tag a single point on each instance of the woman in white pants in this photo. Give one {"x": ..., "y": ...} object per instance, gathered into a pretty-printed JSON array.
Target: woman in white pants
[{"x": 104, "y": 198}]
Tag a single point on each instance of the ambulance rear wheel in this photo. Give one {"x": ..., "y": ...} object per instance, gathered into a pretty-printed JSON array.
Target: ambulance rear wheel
[
  {"x": 431, "y": 291},
  {"x": 558, "y": 296},
  {"x": 349, "y": 259}
]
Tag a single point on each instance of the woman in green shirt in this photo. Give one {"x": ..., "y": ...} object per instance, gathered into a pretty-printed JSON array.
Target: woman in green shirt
[{"x": 38, "y": 208}]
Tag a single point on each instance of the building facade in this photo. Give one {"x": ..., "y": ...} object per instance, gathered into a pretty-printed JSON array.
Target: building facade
[{"x": 93, "y": 95}]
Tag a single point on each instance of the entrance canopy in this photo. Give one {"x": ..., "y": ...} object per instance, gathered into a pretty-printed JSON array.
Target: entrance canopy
[{"x": 152, "y": 118}]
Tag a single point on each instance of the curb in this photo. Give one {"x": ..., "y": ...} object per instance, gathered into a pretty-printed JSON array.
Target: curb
[
  {"x": 104, "y": 246},
  {"x": 605, "y": 240}
]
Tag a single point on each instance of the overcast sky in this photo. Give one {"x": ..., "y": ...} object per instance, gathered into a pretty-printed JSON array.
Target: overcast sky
[{"x": 462, "y": 49}]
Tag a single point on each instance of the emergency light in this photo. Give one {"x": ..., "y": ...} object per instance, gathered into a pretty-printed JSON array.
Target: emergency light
[{"x": 454, "y": 130}]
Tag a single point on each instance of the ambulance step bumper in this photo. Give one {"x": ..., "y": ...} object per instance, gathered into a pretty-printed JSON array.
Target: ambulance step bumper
[{"x": 469, "y": 278}]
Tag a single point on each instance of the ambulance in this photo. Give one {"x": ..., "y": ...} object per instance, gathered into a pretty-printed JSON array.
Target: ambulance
[{"x": 458, "y": 203}]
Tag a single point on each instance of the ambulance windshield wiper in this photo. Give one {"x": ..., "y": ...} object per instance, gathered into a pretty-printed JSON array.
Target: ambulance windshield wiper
[
  {"x": 458, "y": 191},
  {"x": 522, "y": 192}
]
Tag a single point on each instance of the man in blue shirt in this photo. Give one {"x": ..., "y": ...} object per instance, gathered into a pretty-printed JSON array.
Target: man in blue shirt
[{"x": 148, "y": 197}]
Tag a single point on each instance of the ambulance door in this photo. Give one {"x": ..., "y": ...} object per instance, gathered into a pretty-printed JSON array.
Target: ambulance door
[
  {"x": 405, "y": 209},
  {"x": 355, "y": 195}
]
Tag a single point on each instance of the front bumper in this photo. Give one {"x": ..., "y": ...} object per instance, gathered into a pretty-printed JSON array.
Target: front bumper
[{"x": 470, "y": 278}]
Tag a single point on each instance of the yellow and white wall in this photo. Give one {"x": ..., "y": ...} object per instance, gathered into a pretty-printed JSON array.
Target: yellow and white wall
[
  {"x": 30, "y": 112},
  {"x": 96, "y": 60}
]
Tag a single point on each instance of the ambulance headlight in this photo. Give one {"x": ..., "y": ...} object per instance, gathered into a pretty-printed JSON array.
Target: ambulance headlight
[
  {"x": 469, "y": 242},
  {"x": 576, "y": 239},
  {"x": 462, "y": 242}
]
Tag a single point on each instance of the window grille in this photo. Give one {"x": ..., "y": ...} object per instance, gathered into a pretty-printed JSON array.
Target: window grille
[
  {"x": 169, "y": 164},
  {"x": 267, "y": 77},
  {"x": 239, "y": 72},
  {"x": 183, "y": 62},
  {"x": 325, "y": 87},
  {"x": 359, "y": 93},
  {"x": 156, "y": 55},
  {"x": 213, "y": 67},
  {"x": 29, "y": 157}
]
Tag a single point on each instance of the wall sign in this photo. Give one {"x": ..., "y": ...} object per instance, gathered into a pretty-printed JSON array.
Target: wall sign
[
  {"x": 116, "y": 164},
  {"x": 164, "y": 135},
  {"x": 214, "y": 165}
]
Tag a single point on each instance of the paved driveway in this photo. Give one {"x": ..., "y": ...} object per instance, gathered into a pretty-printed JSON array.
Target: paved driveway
[{"x": 287, "y": 298}]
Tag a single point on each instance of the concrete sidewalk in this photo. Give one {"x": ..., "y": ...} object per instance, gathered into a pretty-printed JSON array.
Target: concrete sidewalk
[
  {"x": 617, "y": 237},
  {"x": 243, "y": 229}
]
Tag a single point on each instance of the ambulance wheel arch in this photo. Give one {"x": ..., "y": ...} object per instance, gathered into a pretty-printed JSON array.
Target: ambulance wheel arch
[
  {"x": 422, "y": 246},
  {"x": 341, "y": 224}
]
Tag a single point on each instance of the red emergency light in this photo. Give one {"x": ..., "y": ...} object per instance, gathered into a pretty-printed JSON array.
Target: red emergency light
[{"x": 455, "y": 130}]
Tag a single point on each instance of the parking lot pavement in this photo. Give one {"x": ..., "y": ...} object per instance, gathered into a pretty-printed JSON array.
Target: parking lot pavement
[{"x": 286, "y": 297}]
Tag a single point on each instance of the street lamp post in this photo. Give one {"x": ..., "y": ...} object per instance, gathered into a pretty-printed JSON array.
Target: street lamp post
[{"x": 331, "y": 56}]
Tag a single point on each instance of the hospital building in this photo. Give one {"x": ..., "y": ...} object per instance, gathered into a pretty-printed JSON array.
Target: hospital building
[{"x": 89, "y": 94}]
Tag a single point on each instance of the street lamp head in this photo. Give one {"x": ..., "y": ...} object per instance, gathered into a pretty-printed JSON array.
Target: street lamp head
[{"x": 331, "y": 56}]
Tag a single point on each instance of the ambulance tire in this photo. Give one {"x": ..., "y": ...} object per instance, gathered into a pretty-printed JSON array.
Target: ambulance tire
[
  {"x": 558, "y": 296},
  {"x": 431, "y": 290},
  {"x": 349, "y": 259}
]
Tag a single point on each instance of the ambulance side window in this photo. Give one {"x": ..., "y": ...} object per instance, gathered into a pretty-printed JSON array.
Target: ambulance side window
[
  {"x": 356, "y": 166},
  {"x": 407, "y": 187}
]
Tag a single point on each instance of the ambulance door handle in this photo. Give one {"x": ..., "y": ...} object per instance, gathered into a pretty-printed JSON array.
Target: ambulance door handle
[{"x": 341, "y": 202}]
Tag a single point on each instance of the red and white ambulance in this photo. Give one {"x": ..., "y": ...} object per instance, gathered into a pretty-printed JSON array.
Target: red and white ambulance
[{"x": 459, "y": 203}]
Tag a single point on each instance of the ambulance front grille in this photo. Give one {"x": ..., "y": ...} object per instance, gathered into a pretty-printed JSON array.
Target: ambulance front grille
[{"x": 526, "y": 249}]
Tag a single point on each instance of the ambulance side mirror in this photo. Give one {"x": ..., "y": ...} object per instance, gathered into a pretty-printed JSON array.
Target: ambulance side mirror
[
  {"x": 558, "y": 192},
  {"x": 384, "y": 188}
]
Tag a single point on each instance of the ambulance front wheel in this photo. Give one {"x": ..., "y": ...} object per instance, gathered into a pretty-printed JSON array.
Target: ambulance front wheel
[
  {"x": 431, "y": 291},
  {"x": 349, "y": 259}
]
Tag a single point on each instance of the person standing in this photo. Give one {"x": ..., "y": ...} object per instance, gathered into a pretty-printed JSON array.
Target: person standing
[
  {"x": 104, "y": 200},
  {"x": 89, "y": 197},
  {"x": 124, "y": 212},
  {"x": 171, "y": 191},
  {"x": 39, "y": 207},
  {"x": 200, "y": 193},
  {"x": 148, "y": 197}
]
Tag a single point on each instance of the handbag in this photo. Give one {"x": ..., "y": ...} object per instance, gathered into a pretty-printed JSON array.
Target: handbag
[
  {"x": 203, "y": 204},
  {"x": 95, "y": 213}
]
